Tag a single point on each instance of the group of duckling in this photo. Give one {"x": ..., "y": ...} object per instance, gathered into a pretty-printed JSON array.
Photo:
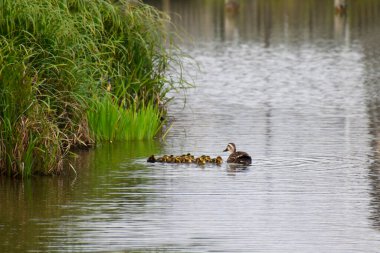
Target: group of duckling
[
  {"x": 235, "y": 157},
  {"x": 186, "y": 158}
]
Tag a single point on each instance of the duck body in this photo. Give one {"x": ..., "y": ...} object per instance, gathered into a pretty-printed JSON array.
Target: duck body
[{"x": 238, "y": 157}]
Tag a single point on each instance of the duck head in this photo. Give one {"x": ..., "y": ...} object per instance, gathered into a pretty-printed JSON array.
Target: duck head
[{"x": 230, "y": 148}]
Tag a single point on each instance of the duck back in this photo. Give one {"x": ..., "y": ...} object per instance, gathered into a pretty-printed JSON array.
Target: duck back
[{"x": 240, "y": 157}]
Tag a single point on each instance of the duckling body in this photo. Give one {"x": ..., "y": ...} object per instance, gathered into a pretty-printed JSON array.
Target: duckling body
[
  {"x": 178, "y": 159},
  {"x": 200, "y": 161},
  {"x": 239, "y": 157}
]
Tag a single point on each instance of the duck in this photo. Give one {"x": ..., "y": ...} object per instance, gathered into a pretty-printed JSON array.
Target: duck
[{"x": 239, "y": 157}]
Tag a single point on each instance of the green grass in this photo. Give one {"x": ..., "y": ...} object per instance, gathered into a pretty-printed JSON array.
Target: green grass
[
  {"x": 57, "y": 60},
  {"x": 110, "y": 121}
]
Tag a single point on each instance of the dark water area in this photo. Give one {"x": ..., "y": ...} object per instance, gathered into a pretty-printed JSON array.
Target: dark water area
[{"x": 290, "y": 82}]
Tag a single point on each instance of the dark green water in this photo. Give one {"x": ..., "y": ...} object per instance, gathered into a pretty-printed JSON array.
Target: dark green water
[{"x": 291, "y": 83}]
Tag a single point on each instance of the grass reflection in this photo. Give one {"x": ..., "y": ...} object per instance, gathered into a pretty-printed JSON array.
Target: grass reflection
[{"x": 37, "y": 211}]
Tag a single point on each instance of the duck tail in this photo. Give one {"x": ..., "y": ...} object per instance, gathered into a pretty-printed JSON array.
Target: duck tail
[{"x": 245, "y": 160}]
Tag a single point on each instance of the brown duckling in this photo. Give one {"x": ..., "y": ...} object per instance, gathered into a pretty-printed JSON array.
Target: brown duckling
[
  {"x": 178, "y": 159},
  {"x": 161, "y": 159},
  {"x": 218, "y": 160},
  {"x": 206, "y": 158},
  {"x": 237, "y": 156},
  {"x": 200, "y": 161},
  {"x": 151, "y": 159},
  {"x": 187, "y": 159}
]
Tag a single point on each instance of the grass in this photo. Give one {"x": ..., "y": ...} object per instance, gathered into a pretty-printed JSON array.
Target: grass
[
  {"x": 76, "y": 71},
  {"x": 110, "y": 121}
]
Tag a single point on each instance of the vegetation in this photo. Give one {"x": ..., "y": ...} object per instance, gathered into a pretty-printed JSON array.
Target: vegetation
[
  {"x": 110, "y": 121},
  {"x": 76, "y": 71}
]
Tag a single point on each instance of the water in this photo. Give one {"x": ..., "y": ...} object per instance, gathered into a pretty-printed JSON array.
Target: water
[{"x": 290, "y": 83}]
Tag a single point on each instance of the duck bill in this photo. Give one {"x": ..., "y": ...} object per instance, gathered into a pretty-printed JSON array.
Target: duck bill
[{"x": 225, "y": 150}]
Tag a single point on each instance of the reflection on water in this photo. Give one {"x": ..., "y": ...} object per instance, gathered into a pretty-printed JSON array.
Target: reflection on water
[
  {"x": 374, "y": 168},
  {"x": 291, "y": 83},
  {"x": 43, "y": 213}
]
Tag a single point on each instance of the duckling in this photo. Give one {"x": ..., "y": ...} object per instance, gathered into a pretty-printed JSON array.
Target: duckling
[
  {"x": 206, "y": 158},
  {"x": 191, "y": 159},
  {"x": 200, "y": 161},
  {"x": 170, "y": 159},
  {"x": 218, "y": 160},
  {"x": 161, "y": 159},
  {"x": 237, "y": 156},
  {"x": 185, "y": 159},
  {"x": 151, "y": 159},
  {"x": 178, "y": 159}
]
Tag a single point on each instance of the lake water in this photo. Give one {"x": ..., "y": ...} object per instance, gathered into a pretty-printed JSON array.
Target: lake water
[{"x": 291, "y": 83}]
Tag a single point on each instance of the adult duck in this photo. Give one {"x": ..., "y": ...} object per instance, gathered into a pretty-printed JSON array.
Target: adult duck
[{"x": 239, "y": 157}]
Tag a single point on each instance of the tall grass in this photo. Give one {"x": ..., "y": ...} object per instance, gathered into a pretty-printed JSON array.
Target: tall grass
[
  {"x": 76, "y": 71},
  {"x": 30, "y": 139},
  {"x": 110, "y": 121}
]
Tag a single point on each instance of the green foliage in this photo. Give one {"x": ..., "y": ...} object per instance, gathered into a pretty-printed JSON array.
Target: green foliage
[
  {"x": 110, "y": 121},
  {"x": 58, "y": 57}
]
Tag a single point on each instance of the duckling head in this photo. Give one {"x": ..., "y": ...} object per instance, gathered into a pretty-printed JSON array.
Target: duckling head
[{"x": 231, "y": 147}]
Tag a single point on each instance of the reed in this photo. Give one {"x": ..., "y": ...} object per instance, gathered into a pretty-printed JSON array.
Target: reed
[
  {"x": 110, "y": 121},
  {"x": 76, "y": 71}
]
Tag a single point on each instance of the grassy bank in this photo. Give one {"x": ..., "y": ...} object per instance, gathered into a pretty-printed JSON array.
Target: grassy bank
[{"x": 74, "y": 72}]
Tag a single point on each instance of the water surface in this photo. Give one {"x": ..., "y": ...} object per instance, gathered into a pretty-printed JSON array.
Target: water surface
[{"x": 289, "y": 82}]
